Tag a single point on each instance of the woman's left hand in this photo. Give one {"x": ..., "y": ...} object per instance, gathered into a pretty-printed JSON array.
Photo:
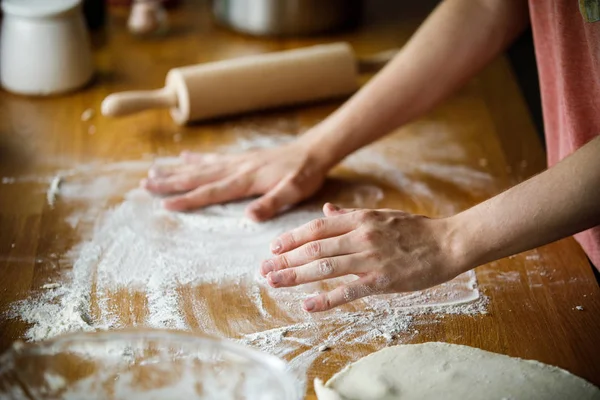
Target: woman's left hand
[{"x": 390, "y": 251}]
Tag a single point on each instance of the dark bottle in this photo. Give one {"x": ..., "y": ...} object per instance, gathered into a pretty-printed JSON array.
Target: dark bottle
[{"x": 95, "y": 13}]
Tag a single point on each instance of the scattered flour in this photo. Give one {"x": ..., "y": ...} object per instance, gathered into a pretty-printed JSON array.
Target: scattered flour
[
  {"x": 410, "y": 163},
  {"x": 53, "y": 190},
  {"x": 55, "y": 382},
  {"x": 87, "y": 114},
  {"x": 140, "y": 265},
  {"x": 50, "y": 286}
]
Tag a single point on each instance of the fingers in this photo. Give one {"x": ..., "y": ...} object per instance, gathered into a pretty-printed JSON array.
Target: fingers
[
  {"x": 321, "y": 228},
  {"x": 212, "y": 193},
  {"x": 311, "y": 251},
  {"x": 354, "y": 290},
  {"x": 176, "y": 178},
  {"x": 178, "y": 183},
  {"x": 280, "y": 198},
  {"x": 325, "y": 268},
  {"x": 194, "y": 158},
  {"x": 190, "y": 164},
  {"x": 164, "y": 171}
]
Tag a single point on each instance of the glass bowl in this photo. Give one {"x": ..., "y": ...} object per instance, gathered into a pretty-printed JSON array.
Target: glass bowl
[{"x": 142, "y": 364}]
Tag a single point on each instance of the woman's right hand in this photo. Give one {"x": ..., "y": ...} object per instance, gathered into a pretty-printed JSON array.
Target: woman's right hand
[{"x": 281, "y": 176}]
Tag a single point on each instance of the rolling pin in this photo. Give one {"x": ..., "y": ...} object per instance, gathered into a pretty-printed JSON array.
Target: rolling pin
[{"x": 239, "y": 85}]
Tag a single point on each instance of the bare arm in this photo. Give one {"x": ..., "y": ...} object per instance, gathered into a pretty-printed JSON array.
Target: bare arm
[
  {"x": 457, "y": 40},
  {"x": 393, "y": 251},
  {"x": 557, "y": 203}
]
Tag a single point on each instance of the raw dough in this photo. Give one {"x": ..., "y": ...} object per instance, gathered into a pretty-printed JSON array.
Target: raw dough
[{"x": 447, "y": 371}]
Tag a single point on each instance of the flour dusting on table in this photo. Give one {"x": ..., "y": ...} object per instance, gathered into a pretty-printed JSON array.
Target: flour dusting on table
[{"x": 140, "y": 265}]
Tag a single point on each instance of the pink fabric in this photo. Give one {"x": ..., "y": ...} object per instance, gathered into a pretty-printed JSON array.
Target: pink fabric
[{"x": 568, "y": 58}]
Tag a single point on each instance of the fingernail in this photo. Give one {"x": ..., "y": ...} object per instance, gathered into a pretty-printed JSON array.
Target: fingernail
[
  {"x": 274, "y": 277},
  {"x": 333, "y": 207},
  {"x": 309, "y": 305},
  {"x": 267, "y": 266},
  {"x": 276, "y": 246}
]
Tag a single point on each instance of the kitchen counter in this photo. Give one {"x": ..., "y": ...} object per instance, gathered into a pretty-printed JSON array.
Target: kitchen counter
[{"x": 542, "y": 305}]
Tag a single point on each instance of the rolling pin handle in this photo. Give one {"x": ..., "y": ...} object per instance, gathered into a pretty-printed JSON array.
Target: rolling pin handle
[{"x": 126, "y": 103}]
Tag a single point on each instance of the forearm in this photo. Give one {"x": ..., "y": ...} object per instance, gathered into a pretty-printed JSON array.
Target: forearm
[
  {"x": 456, "y": 41},
  {"x": 557, "y": 203}
]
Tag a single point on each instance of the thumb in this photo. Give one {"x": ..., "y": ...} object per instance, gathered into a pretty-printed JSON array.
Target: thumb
[{"x": 280, "y": 198}]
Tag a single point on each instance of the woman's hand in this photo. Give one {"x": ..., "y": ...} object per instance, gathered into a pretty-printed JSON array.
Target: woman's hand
[
  {"x": 390, "y": 251},
  {"x": 283, "y": 176}
]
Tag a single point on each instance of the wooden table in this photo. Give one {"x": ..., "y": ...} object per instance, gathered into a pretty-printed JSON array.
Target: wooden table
[{"x": 531, "y": 315}]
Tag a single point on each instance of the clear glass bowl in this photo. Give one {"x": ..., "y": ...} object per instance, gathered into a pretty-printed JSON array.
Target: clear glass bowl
[{"x": 142, "y": 364}]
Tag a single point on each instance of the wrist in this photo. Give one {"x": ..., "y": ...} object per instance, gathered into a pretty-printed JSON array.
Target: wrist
[
  {"x": 320, "y": 148},
  {"x": 459, "y": 245}
]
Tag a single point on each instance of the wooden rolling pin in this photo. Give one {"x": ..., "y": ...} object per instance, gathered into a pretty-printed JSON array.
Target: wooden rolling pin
[{"x": 245, "y": 84}]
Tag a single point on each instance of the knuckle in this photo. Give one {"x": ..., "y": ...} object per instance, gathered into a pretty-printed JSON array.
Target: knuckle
[
  {"x": 364, "y": 290},
  {"x": 288, "y": 240},
  {"x": 369, "y": 236},
  {"x": 313, "y": 249},
  {"x": 349, "y": 294},
  {"x": 298, "y": 179},
  {"x": 365, "y": 216},
  {"x": 284, "y": 263},
  {"x": 315, "y": 226},
  {"x": 362, "y": 217},
  {"x": 302, "y": 175},
  {"x": 326, "y": 267},
  {"x": 326, "y": 302},
  {"x": 371, "y": 214},
  {"x": 210, "y": 192},
  {"x": 382, "y": 283},
  {"x": 290, "y": 277},
  {"x": 374, "y": 256}
]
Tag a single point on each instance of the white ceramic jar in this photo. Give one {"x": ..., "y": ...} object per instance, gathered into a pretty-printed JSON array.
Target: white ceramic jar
[{"x": 45, "y": 48}]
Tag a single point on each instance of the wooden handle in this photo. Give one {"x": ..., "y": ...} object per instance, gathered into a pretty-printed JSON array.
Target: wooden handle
[
  {"x": 375, "y": 62},
  {"x": 126, "y": 103}
]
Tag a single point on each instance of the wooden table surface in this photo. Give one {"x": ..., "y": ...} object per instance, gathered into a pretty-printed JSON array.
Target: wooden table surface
[{"x": 531, "y": 315}]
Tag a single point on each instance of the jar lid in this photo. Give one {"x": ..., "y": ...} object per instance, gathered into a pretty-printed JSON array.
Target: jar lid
[{"x": 38, "y": 8}]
